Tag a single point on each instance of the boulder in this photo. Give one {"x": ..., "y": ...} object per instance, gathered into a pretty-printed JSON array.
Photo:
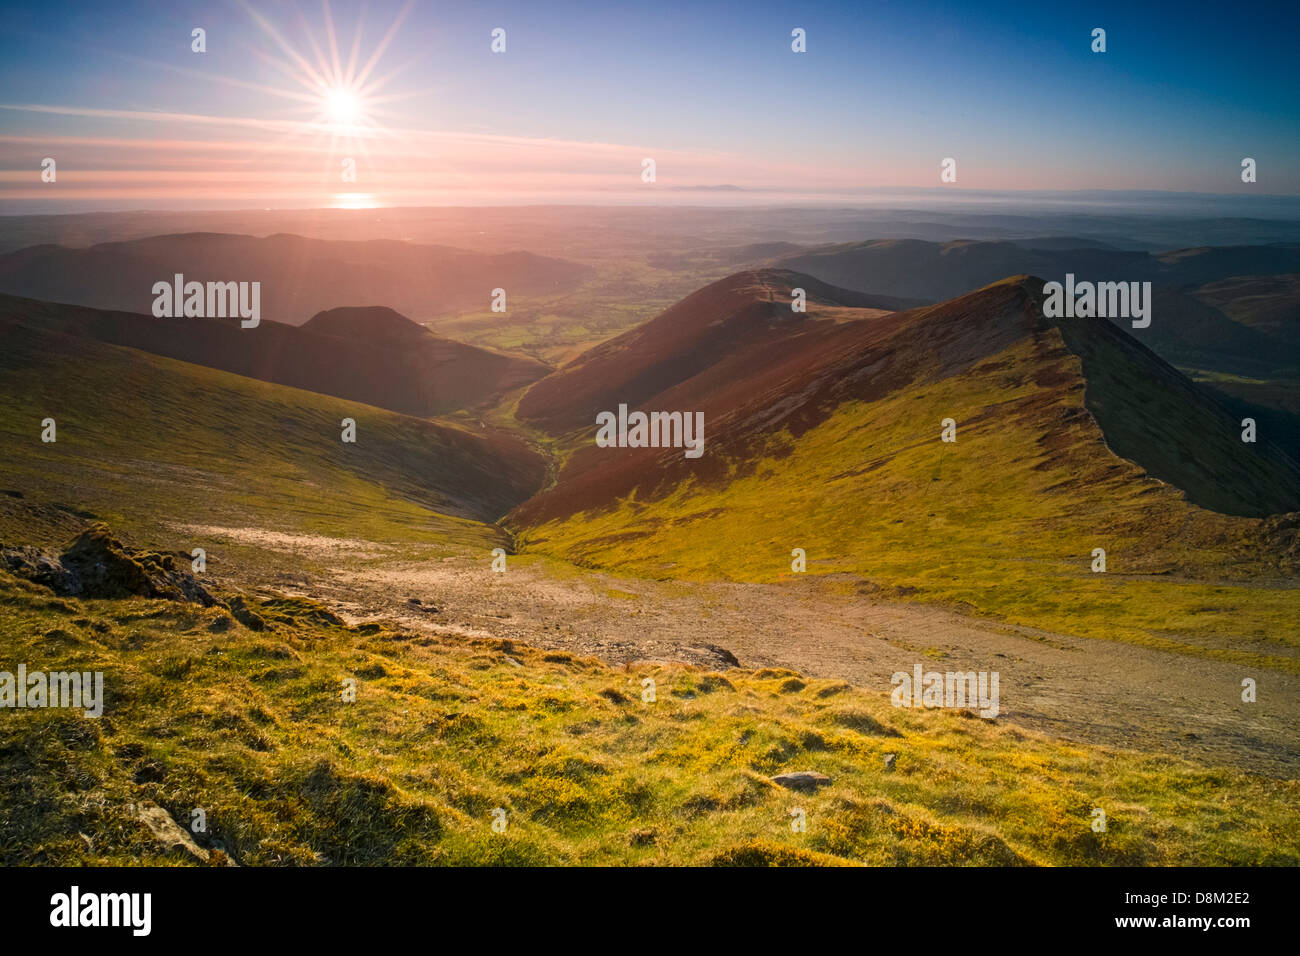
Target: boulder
[{"x": 802, "y": 780}]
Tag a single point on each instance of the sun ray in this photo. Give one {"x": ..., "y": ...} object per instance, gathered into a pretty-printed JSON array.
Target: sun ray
[
  {"x": 383, "y": 44},
  {"x": 284, "y": 45},
  {"x": 302, "y": 97},
  {"x": 333, "y": 39},
  {"x": 287, "y": 70},
  {"x": 379, "y": 83},
  {"x": 322, "y": 65},
  {"x": 356, "y": 48},
  {"x": 329, "y": 108}
]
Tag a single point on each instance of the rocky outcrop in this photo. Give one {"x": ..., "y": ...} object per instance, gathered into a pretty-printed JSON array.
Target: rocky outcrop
[{"x": 98, "y": 565}]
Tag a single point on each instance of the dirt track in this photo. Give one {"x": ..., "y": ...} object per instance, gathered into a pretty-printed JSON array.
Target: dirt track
[{"x": 1095, "y": 691}]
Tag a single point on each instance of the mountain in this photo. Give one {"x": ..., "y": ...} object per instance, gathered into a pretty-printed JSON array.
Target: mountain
[
  {"x": 824, "y": 434},
  {"x": 721, "y": 343},
  {"x": 372, "y": 355},
  {"x": 941, "y": 270},
  {"x": 763, "y": 374},
  {"x": 1270, "y": 304},
  {"x": 934, "y": 271},
  {"x": 299, "y": 277}
]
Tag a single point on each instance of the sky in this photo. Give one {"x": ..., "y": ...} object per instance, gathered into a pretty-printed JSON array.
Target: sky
[{"x": 413, "y": 94}]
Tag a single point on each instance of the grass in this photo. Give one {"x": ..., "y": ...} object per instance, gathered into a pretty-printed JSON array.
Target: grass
[
  {"x": 251, "y": 727},
  {"x": 556, "y": 328}
]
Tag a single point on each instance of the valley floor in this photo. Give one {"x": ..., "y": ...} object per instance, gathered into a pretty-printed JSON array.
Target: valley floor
[{"x": 1100, "y": 692}]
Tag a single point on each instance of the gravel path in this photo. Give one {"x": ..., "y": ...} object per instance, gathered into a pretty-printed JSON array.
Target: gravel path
[{"x": 1094, "y": 691}]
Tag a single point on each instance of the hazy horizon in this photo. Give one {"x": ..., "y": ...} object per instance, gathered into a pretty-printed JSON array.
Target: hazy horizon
[
  {"x": 574, "y": 101},
  {"x": 1108, "y": 201}
]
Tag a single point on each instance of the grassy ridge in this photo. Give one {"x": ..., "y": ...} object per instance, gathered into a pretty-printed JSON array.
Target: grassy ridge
[
  {"x": 251, "y": 727},
  {"x": 1002, "y": 523}
]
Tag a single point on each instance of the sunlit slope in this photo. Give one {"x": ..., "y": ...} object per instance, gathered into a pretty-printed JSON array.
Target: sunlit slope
[
  {"x": 144, "y": 442},
  {"x": 730, "y": 337},
  {"x": 850, "y": 467}
]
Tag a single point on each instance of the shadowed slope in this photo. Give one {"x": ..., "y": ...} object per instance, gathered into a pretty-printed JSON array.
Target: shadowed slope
[{"x": 371, "y": 355}]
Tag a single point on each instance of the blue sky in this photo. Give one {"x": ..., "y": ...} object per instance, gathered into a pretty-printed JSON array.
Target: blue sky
[{"x": 713, "y": 92}]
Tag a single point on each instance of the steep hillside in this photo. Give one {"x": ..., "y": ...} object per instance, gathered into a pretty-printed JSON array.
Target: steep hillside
[
  {"x": 1071, "y": 436},
  {"x": 370, "y": 355},
  {"x": 730, "y": 338},
  {"x": 202, "y": 711},
  {"x": 736, "y": 351},
  {"x": 150, "y": 443},
  {"x": 299, "y": 276}
]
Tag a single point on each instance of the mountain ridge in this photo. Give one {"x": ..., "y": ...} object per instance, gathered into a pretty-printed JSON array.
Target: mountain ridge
[{"x": 805, "y": 368}]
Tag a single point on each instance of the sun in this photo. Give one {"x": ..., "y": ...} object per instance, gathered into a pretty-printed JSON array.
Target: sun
[
  {"x": 340, "y": 92},
  {"x": 343, "y": 106}
]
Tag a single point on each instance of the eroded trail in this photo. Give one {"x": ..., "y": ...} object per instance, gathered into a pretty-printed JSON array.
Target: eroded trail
[
  {"x": 1099, "y": 692},
  {"x": 1095, "y": 691}
]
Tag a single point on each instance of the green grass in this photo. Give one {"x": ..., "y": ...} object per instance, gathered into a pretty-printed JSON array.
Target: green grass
[
  {"x": 251, "y": 727},
  {"x": 555, "y": 328}
]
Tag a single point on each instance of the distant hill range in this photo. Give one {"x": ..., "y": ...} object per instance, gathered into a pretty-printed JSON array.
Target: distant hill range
[
  {"x": 1230, "y": 328},
  {"x": 299, "y": 277},
  {"x": 372, "y": 355}
]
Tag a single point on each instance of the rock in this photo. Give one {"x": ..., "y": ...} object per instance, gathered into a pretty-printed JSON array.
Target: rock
[
  {"x": 36, "y": 565},
  {"x": 724, "y": 655},
  {"x": 889, "y": 762},
  {"x": 802, "y": 780},
  {"x": 97, "y": 565},
  {"x": 171, "y": 835}
]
